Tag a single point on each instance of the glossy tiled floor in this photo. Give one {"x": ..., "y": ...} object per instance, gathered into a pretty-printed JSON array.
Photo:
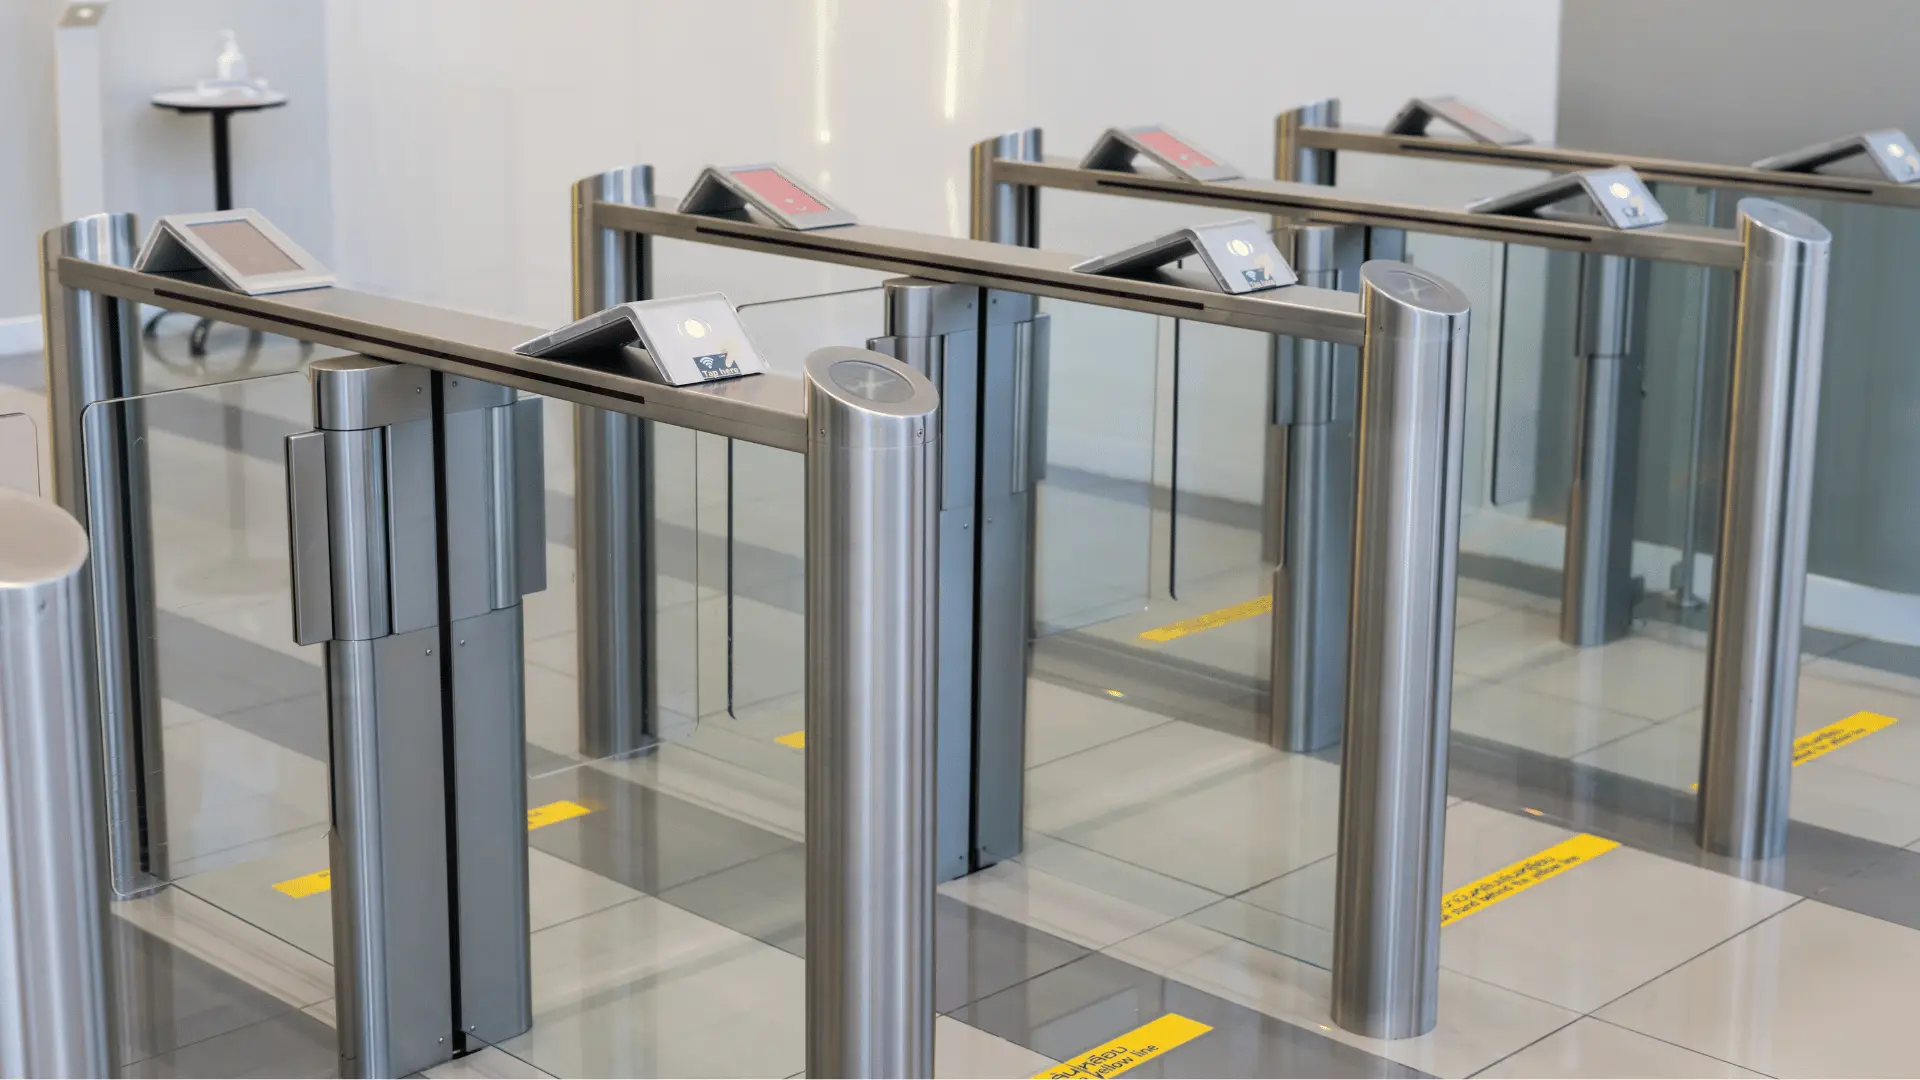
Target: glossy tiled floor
[{"x": 1172, "y": 864}]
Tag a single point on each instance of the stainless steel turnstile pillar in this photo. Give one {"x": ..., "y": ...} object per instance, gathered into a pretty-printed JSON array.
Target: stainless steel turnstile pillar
[
  {"x": 1304, "y": 165},
  {"x": 1760, "y": 567},
  {"x": 613, "y": 518},
  {"x": 872, "y": 506},
  {"x": 54, "y": 975},
  {"x": 1409, "y": 427},
  {"x": 986, "y": 352},
  {"x": 1598, "y": 589},
  {"x": 1005, "y": 213},
  {"x": 100, "y": 477},
  {"x": 415, "y": 527}
]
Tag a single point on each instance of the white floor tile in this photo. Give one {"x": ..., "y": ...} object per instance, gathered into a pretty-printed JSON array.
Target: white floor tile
[
  {"x": 1637, "y": 676},
  {"x": 1503, "y": 645},
  {"x": 1814, "y": 991},
  {"x": 962, "y": 1050},
  {"x": 1062, "y": 908},
  {"x": 1062, "y": 721},
  {"x": 491, "y": 1063},
  {"x": 1478, "y": 1023},
  {"x": 1535, "y": 721},
  {"x": 1595, "y": 1049},
  {"x": 231, "y": 944}
]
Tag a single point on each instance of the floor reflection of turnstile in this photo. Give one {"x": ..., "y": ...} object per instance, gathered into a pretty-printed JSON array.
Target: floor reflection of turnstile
[
  {"x": 1781, "y": 256},
  {"x": 416, "y": 525},
  {"x": 968, "y": 315}
]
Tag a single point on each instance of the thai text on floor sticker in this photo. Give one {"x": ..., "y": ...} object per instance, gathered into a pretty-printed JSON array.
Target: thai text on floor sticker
[
  {"x": 1210, "y": 620},
  {"x": 1524, "y": 874},
  {"x": 1834, "y": 736},
  {"x": 795, "y": 739},
  {"x": 539, "y": 817},
  {"x": 1141, "y": 1044}
]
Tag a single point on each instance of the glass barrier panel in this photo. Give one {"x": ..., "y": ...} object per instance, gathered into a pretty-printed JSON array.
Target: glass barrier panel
[
  {"x": 244, "y": 742},
  {"x": 20, "y": 454},
  {"x": 1098, "y": 531},
  {"x": 178, "y": 351}
]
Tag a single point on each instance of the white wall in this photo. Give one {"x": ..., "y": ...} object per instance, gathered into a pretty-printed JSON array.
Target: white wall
[
  {"x": 459, "y": 125},
  {"x": 29, "y": 156}
]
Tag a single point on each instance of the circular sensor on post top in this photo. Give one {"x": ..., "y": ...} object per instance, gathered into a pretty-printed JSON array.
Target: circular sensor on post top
[{"x": 871, "y": 382}]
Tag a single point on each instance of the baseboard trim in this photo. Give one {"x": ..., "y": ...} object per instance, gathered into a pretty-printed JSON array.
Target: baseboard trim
[{"x": 20, "y": 334}]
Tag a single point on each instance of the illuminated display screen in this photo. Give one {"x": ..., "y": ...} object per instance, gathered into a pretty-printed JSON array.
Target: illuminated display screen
[
  {"x": 1172, "y": 149},
  {"x": 245, "y": 248},
  {"x": 779, "y": 192}
]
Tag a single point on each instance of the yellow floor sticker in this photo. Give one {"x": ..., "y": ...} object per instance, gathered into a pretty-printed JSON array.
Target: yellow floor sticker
[
  {"x": 1210, "y": 620},
  {"x": 539, "y": 817},
  {"x": 307, "y": 884},
  {"x": 1141, "y": 1044},
  {"x": 795, "y": 739},
  {"x": 553, "y": 813},
  {"x": 1836, "y": 735},
  {"x": 1524, "y": 874}
]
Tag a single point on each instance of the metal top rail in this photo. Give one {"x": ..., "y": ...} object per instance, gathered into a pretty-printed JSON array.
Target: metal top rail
[
  {"x": 769, "y": 410},
  {"x": 1559, "y": 159},
  {"x": 1690, "y": 244},
  {"x": 1296, "y": 310}
]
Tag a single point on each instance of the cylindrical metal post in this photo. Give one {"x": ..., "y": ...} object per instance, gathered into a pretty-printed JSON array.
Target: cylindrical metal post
[
  {"x": 100, "y": 477},
  {"x": 1598, "y": 589},
  {"x": 1760, "y": 570},
  {"x": 1411, "y": 420},
  {"x": 1005, "y": 213},
  {"x": 53, "y": 963},
  {"x": 1309, "y": 512},
  {"x": 872, "y": 499},
  {"x": 613, "y": 520},
  {"x": 1293, "y": 162}
]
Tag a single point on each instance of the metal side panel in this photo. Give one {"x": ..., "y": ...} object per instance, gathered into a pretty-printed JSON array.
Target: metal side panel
[
  {"x": 1005, "y": 609},
  {"x": 490, "y": 825},
  {"x": 412, "y": 548},
  {"x": 469, "y": 480},
  {"x": 388, "y": 855}
]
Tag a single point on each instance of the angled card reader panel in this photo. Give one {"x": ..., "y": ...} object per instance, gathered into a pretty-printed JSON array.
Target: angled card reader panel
[
  {"x": 1239, "y": 254},
  {"x": 1418, "y": 115},
  {"x": 1617, "y": 195},
  {"x": 1116, "y": 149},
  {"x": 1890, "y": 151},
  {"x": 729, "y": 189},
  {"x": 240, "y": 248},
  {"x": 690, "y": 339}
]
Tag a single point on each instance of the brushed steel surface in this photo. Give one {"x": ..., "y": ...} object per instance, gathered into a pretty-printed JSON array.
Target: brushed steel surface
[
  {"x": 871, "y": 559},
  {"x": 55, "y": 979},
  {"x": 1410, "y": 424},
  {"x": 1760, "y": 574}
]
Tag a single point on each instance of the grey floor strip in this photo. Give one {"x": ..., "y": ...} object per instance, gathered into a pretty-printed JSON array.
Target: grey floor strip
[{"x": 177, "y": 1015}]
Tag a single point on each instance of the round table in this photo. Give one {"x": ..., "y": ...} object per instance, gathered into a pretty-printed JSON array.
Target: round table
[{"x": 220, "y": 105}]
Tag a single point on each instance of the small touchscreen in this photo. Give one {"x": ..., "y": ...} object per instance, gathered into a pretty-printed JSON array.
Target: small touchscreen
[
  {"x": 778, "y": 191},
  {"x": 1173, "y": 149},
  {"x": 244, "y": 247}
]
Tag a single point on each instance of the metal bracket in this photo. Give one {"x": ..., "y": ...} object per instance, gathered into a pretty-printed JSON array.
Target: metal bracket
[
  {"x": 1117, "y": 148},
  {"x": 1618, "y": 196},
  {"x": 1239, "y": 254},
  {"x": 1889, "y": 149},
  {"x": 728, "y": 190},
  {"x": 1418, "y": 115}
]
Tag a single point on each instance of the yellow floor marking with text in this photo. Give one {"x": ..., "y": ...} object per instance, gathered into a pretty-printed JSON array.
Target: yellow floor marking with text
[
  {"x": 1834, "y": 736},
  {"x": 1524, "y": 874},
  {"x": 1141, "y": 1044},
  {"x": 1211, "y": 619},
  {"x": 795, "y": 739},
  {"x": 540, "y": 816}
]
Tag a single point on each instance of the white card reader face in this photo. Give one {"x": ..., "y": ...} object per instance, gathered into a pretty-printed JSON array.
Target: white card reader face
[{"x": 692, "y": 339}]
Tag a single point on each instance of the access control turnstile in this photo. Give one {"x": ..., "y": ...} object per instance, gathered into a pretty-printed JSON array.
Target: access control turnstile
[
  {"x": 1781, "y": 256},
  {"x": 968, "y": 314},
  {"x": 416, "y": 525}
]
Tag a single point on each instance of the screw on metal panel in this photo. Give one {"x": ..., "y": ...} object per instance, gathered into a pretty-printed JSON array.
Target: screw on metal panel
[
  {"x": 463, "y": 641},
  {"x": 429, "y": 652},
  {"x": 416, "y": 389}
]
